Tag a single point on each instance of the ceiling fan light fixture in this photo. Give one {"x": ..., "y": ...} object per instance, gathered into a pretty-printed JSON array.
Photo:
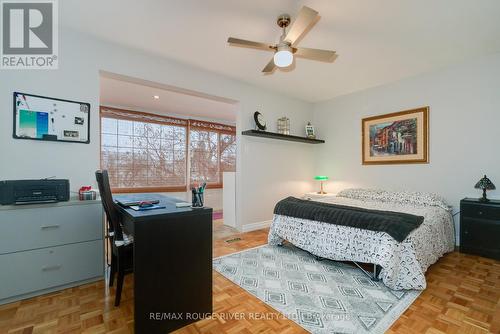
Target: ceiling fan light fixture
[
  {"x": 284, "y": 53},
  {"x": 283, "y": 57}
]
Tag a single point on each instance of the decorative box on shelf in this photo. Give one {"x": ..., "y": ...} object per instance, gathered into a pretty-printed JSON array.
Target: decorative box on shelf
[{"x": 86, "y": 193}]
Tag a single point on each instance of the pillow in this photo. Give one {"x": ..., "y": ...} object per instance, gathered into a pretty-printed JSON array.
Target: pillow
[{"x": 400, "y": 197}]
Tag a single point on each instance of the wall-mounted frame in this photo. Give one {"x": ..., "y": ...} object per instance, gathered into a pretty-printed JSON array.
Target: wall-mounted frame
[
  {"x": 45, "y": 118},
  {"x": 396, "y": 138}
]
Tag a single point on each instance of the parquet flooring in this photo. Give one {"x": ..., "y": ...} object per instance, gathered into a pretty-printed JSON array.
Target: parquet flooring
[
  {"x": 221, "y": 231},
  {"x": 463, "y": 296}
]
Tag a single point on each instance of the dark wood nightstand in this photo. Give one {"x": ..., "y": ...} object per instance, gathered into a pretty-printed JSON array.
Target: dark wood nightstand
[{"x": 480, "y": 227}]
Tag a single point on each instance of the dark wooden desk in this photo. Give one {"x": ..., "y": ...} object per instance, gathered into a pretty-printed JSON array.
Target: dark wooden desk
[{"x": 172, "y": 264}]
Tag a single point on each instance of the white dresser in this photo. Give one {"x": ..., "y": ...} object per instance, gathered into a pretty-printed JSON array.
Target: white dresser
[{"x": 48, "y": 247}]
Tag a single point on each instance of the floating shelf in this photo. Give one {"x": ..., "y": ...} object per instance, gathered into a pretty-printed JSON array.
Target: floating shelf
[{"x": 274, "y": 135}]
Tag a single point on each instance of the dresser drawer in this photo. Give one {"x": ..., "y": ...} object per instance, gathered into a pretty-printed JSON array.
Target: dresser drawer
[
  {"x": 31, "y": 228},
  {"x": 30, "y": 271},
  {"x": 481, "y": 211},
  {"x": 480, "y": 237}
]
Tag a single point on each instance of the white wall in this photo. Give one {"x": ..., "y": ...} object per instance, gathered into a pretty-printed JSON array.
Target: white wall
[
  {"x": 464, "y": 103},
  {"x": 266, "y": 170},
  {"x": 464, "y": 117}
]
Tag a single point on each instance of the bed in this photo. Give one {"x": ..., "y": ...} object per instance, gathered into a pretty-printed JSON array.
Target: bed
[{"x": 403, "y": 264}]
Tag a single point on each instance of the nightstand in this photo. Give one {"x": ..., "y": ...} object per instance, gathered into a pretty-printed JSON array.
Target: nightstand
[
  {"x": 480, "y": 227},
  {"x": 317, "y": 196}
]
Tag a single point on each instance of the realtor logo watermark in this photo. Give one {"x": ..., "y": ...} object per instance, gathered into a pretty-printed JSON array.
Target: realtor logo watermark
[{"x": 29, "y": 34}]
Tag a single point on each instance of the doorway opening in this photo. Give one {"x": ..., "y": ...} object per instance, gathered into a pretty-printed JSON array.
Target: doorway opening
[{"x": 162, "y": 139}]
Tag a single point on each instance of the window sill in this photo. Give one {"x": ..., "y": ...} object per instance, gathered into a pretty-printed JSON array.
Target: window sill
[
  {"x": 149, "y": 190},
  {"x": 160, "y": 189}
]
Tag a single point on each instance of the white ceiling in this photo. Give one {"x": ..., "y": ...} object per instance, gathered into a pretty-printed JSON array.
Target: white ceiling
[
  {"x": 139, "y": 97},
  {"x": 377, "y": 41}
]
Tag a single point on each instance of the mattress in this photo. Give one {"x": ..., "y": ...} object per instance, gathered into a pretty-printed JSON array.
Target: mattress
[{"x": 403, "y": 263}]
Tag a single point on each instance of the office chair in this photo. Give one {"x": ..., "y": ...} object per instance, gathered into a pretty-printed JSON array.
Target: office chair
[{"x": 121, "y": 243}]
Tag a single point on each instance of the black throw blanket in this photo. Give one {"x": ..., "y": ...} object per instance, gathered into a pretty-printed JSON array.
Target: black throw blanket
[{"x": 398, "y": 225}]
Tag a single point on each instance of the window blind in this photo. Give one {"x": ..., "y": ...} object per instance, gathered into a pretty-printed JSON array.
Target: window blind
[
  {"x": 145, "y": 152},
  {"x": 212, "y": 151}
]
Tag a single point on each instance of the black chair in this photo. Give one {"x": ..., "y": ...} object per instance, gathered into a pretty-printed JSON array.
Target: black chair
[{"x": 121, "y": 244}]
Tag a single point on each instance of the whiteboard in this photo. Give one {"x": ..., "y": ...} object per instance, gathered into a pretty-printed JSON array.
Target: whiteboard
[{"x": 44, "y": 118}]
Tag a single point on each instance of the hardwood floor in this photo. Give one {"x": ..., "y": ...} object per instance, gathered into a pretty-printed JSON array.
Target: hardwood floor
[
  {"x": 221, "y": 231},
  {"x": 463, "y": 296}
]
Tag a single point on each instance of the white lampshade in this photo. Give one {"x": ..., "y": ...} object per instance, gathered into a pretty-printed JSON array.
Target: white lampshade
[{"x": 283, "y": 58}]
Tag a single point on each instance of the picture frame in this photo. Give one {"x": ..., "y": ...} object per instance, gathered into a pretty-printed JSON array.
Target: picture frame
[
  {"x": 396, "y": 138},
  {"x": 43, "y": 118},
  {"x": 310, "y": 132}
]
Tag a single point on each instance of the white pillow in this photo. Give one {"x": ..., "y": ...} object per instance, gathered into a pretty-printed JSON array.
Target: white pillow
[{"x": 400, "y": 197}]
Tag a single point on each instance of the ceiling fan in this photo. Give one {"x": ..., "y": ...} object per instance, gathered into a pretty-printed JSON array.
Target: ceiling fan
[{"x": 286, "y": 49}]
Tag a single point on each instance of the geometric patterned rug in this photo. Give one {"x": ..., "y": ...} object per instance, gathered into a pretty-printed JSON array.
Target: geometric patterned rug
[{"x": 321, "y": 296}]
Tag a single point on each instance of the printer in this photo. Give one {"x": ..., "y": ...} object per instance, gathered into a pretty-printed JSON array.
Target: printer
[{"x": 34, "y": 191}]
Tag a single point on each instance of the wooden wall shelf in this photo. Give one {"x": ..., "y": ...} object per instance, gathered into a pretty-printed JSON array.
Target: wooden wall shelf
[{"x": 274, "y": 135}]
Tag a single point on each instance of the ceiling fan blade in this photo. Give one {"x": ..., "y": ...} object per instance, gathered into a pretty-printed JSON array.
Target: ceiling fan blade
[
  {"x": 304, "y": 19},
  {"x": 269, "y": 67},
  {"x": 316, "y": 54},
  {"x": 251, "y": 44}
]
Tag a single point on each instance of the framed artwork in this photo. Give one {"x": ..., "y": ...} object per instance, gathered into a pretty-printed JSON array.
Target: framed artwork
[{"x": 397, "y": 138}]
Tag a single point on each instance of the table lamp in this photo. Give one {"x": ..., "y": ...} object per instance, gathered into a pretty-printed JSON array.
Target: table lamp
[
  {"x": 321, "y": 178},
  {"x": 484, "y": 184}
]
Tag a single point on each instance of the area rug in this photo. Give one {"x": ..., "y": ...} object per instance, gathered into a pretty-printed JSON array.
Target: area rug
[{"x": 321, "y": 296}]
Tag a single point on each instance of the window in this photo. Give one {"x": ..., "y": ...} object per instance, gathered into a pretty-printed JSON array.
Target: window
[
  {"x": 227, "y": 142},
  {"x": 212, "y": 150},
  {"x": 144, "y": 152}
]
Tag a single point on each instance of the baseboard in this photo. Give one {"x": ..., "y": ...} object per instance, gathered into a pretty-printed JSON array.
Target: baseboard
[{"x": 256, "y": 226}]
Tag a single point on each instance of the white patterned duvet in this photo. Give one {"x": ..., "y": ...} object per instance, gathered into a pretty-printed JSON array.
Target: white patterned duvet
[{"x": 403, "y": 264}]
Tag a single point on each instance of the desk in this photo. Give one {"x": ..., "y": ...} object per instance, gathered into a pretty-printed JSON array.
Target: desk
[{"x": 172, "y": 263}]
